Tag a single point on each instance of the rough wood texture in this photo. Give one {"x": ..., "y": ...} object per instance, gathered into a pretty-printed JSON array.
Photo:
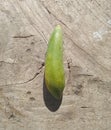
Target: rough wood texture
[{"x": 25, "y": 27}]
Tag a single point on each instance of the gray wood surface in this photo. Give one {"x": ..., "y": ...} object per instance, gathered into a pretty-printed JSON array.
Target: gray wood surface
[{"x": 25, "y": 27}]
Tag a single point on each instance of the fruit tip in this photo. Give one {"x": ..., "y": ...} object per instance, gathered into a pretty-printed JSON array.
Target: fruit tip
[{"x": 58, "y": 27}]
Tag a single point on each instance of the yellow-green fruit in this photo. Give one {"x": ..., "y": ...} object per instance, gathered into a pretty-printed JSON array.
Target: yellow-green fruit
[{"x": 54, "y": 69}]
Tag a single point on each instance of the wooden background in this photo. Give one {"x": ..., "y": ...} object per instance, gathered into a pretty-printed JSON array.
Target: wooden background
[{"x": 25, "y": 27}]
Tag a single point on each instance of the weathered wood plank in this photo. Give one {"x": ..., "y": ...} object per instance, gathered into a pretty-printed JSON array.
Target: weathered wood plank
[{"x": 25, "y": 27}]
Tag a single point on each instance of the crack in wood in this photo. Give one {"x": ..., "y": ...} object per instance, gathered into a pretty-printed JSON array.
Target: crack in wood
[
  {"x": 7, "y": 62},
  {"x": 85, "y": 107},
  {"x": 23, "y": 36},
  {"x": 36, "y": 74},
  {"x": 69, "y": 62}
]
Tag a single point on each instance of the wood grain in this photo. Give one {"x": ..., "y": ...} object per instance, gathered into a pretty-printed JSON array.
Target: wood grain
[{"x": 25, "y": 27}]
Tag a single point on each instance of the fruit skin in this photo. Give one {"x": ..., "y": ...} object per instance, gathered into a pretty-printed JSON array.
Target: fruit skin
[{"x": 54, "y": 69}]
